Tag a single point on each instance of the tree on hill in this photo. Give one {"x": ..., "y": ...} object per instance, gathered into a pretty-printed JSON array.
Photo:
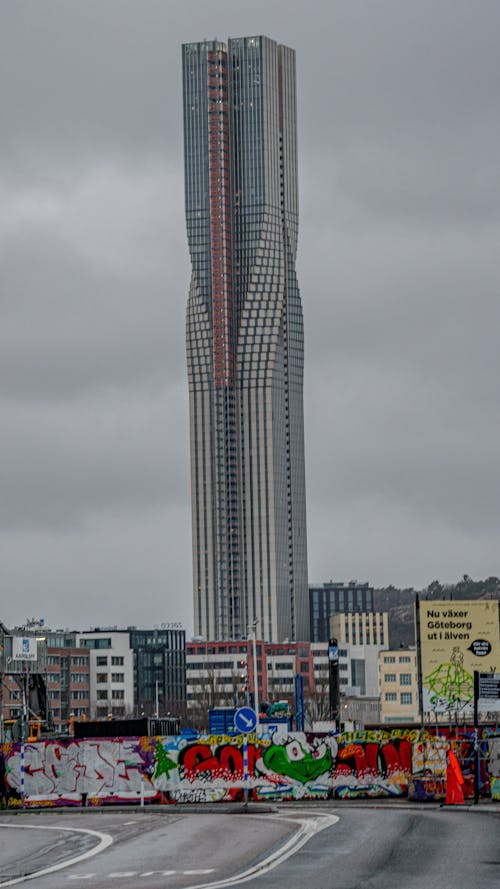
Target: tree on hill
[{"x": 399, "y": 603}]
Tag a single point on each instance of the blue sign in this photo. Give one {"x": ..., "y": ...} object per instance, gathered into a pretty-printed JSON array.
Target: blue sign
[{"x": 245, "y": 720}]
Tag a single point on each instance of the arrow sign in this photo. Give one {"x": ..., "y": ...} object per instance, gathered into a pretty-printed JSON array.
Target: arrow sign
[{"x": 245, "y": 720}]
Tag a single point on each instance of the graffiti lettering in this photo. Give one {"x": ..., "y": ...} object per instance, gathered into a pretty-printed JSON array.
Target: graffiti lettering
[{"x": 210, "y": 767}]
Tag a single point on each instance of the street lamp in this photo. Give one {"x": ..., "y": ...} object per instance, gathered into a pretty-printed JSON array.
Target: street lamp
[{"x": 252, "y": 629}]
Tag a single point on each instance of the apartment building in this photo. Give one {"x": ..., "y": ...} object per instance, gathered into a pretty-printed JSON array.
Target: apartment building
[{"x": 399, "y": 685}]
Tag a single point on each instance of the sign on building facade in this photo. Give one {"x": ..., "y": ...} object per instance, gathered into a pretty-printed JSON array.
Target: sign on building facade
[{"x": 24, "y": 648}]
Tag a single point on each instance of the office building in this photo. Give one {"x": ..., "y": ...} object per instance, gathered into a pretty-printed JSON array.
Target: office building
[
  {"x": 159, "y": 670},
  {"x": 361, "y": 628},
  {"x": 111, "y": 672},
  {"x": 244, "y": 337},
  {"x": 333, "y": 597},
  {"x": 137, "y": 672},
  {"x": 221, "y": 674}
]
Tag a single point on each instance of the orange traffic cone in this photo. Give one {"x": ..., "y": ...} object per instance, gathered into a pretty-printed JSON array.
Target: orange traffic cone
[{"x": 454, "y": 781}]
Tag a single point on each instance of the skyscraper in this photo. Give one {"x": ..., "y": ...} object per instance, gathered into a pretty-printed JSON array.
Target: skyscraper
[{"x": 245, "y": 340}]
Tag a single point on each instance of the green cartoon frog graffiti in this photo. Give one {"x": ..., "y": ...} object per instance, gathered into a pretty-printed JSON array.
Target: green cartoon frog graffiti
[{"x": 293, "y": 757}]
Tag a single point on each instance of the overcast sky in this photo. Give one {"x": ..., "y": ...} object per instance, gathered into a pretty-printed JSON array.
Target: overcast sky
[{"x": 399, "y": 138}]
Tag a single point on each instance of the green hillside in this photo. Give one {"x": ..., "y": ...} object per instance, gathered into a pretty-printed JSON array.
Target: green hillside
[{"x": 400, "y": 603}]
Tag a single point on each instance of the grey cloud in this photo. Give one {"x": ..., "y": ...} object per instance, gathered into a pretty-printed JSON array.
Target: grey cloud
[
  {"x": 400, "y": 205},
  {"x": 65, "y": 461},
  {"x": 88, "y": 300},
  {"x": 121, "y": 568}
]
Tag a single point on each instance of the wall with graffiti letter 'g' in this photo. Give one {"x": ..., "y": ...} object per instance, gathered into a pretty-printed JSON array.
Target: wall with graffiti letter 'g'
[{"x": 209, "y": 768}]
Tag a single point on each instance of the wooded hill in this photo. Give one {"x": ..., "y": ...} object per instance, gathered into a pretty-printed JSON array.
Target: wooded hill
[{"x": 400, "y": 603}]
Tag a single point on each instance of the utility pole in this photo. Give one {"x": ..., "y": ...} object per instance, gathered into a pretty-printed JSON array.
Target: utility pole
[
  {"x": 252, "y": 629},
  {"x": 333, "y": 666}
]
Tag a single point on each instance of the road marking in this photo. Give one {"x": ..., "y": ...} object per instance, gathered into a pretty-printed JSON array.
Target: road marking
[
  {"x": 126, "y": 823},
  {"x": 148, "y": 873},
  {"x": 105, "y": 840},
  {"x": 308, "y": 828}
]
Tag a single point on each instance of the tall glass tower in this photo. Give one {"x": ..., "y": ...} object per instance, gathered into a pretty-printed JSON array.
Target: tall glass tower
[{"x": 245, "y": 345}]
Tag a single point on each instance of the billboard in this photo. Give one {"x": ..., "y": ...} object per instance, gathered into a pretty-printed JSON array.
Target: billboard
[
  {"x": 24, "y": 648},
  {"x": 456, "y": 638}
]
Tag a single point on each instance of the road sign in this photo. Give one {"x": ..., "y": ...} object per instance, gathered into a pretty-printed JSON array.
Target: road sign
[
  {"x": 489, "y": 686},
  {"x": 245, "y": 720}
]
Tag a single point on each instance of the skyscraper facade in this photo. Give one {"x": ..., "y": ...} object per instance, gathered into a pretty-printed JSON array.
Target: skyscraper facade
[{"x": 245, "y": 340}]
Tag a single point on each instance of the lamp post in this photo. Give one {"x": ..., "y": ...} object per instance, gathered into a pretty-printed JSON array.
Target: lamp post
[{"x": 252, "y": 629}]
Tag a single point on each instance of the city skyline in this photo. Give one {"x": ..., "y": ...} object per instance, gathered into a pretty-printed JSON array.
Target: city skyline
[
  {"x": 245, "y": 340},
  {"x": 400, "y": 217}
]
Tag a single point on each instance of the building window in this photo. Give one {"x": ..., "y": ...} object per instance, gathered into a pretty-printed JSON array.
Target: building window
[
  {"x": 102, "y": 677},
  {"x": 389, "y": 677},
  {"x": 102, "y": 661},
  {"x": 118, "y": 677},
  {"x": 95, "y": 643},
  {"x": 405, "y": 679},
  {"x": 79, "y": 677},
  {"x": 118, "y": 694},
  {"x": 116, "y": 661},
  {"x": 389, "y": 659},
  {"x": 404, "y": 659},
  {"x": 390, "y": 696},
  {"x": 102, "y": 695},
  {"x": 406, "y": 697}
]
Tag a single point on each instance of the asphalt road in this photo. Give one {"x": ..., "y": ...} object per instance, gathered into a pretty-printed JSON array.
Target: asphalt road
[{"x": 293, "y": 847}]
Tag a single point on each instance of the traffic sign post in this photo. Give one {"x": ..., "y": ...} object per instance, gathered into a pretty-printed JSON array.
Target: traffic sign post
[{"x": 245, "y": 721}]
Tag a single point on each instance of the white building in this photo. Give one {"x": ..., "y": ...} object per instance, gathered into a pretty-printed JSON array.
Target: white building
[{"x": 111, "y": 672}]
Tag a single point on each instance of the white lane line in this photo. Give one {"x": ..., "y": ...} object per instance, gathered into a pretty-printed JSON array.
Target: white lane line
[
  {"x": 308, "y": 828},
  {"x": 105, "y": 840},
  {"x": 148, "y": 873},
  {"x": 126, "y": 823}
]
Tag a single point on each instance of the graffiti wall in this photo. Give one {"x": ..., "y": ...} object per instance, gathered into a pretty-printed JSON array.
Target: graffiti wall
[{"x": 210, "y": 768}]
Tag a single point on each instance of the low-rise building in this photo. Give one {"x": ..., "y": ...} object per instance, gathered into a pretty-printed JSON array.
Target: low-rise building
[
  {"x": 111, "y": 672},
  {"x": 399, "y": 686}
]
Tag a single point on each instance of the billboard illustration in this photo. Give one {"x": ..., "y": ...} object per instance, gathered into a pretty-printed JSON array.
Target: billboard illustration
[{"x": 456, "y": 638}]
